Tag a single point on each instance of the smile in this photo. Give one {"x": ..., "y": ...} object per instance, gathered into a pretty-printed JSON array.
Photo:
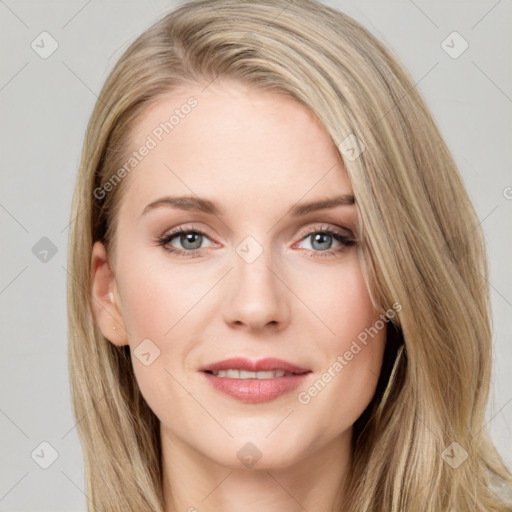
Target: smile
[{"x": 244, "y": 374}]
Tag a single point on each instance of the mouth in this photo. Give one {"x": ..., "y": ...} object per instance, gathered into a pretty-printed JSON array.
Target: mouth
[
  {"x": 241, "y": 367},
  {"x": 254, "y": 381},
  {"x": 233, "y": 373}
]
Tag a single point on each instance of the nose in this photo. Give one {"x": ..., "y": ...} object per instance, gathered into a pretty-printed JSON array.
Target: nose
[{"x": 258, "y": 297}]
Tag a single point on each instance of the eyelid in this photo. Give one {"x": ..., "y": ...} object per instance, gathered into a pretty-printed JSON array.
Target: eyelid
[{"x": 323, "y": 227}]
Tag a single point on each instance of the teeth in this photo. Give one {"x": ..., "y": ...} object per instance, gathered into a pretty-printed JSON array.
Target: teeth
[{"x": 243, "y": 374}]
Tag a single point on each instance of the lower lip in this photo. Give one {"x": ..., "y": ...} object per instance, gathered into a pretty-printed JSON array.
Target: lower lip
[{"x": 255, "y": 391}]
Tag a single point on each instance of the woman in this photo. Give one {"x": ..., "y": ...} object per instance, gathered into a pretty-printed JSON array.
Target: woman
[{"x": 324, "y": 343}]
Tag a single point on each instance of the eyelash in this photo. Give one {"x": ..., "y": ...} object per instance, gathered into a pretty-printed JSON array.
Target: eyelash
[{"x": 345, "y": 241}]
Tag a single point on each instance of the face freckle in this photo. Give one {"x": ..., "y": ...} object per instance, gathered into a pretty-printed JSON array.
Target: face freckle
[{"x": 258, "y": 284}]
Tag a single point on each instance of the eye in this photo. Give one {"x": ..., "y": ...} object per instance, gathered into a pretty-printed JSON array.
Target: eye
[
  {"x": 322, "y": 240},
  {"x": 190, "y": 238}
]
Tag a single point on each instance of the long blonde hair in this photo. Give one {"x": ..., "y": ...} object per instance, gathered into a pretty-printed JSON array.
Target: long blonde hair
[{"x": 421, "y": 246}]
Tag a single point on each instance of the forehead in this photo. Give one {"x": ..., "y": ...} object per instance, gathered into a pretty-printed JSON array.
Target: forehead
[{"x": 232, "y": 142}]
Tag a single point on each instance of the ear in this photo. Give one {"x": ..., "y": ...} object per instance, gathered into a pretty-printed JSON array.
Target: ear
[{"x": 105, "y": 299}]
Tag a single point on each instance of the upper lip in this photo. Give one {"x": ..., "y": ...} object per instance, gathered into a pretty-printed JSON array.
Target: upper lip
[{"x": 262, "y": 365}]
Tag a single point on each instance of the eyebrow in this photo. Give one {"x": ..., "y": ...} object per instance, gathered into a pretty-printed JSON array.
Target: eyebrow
[{"x": 205, "y": 205}]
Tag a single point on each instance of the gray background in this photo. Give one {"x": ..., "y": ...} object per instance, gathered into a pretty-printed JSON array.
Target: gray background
[{"x": 45, "y": 106}]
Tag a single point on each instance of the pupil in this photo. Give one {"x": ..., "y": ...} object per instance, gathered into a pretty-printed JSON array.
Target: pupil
[
  {"x": 189, "y": 238},
  {"x": 318, "y": 238}
]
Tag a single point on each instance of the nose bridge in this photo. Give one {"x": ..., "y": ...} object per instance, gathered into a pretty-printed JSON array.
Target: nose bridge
[
  {"x": 254, "y": 265},
  {"x": 258, "y": 296}
]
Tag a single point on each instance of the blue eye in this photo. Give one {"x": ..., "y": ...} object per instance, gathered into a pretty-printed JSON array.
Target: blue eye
[
  {"x": 191, "y": 240},
  {"x": 322, "y": 238},
  {"x": 186, "y": 237}
]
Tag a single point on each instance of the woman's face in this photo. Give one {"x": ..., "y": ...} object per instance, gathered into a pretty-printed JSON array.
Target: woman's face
[{"x": 252, "y": 280}]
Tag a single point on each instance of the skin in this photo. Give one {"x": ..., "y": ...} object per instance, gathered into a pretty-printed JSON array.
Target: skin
[{"x": 256, "y": 153}]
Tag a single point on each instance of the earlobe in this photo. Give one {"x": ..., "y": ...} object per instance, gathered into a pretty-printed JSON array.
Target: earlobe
[{"x": 107, "y": 312}]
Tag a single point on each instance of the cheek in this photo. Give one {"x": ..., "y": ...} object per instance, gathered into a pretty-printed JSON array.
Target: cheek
[
  {"x": 338, "y": 297},
  {"x": 344, "y": 387},
  {"x": 353, "y": 342},
  {"x": 162, "y": 310},
  {"x": 156, "y": 301}
]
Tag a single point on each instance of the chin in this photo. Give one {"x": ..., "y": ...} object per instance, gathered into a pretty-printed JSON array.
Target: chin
[{"x": 257, "y": 453}]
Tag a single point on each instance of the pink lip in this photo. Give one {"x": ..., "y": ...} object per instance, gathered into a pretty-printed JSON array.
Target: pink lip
[
  {"x": 267, "y": 364},
  {"x": 255, "y": 390}
]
